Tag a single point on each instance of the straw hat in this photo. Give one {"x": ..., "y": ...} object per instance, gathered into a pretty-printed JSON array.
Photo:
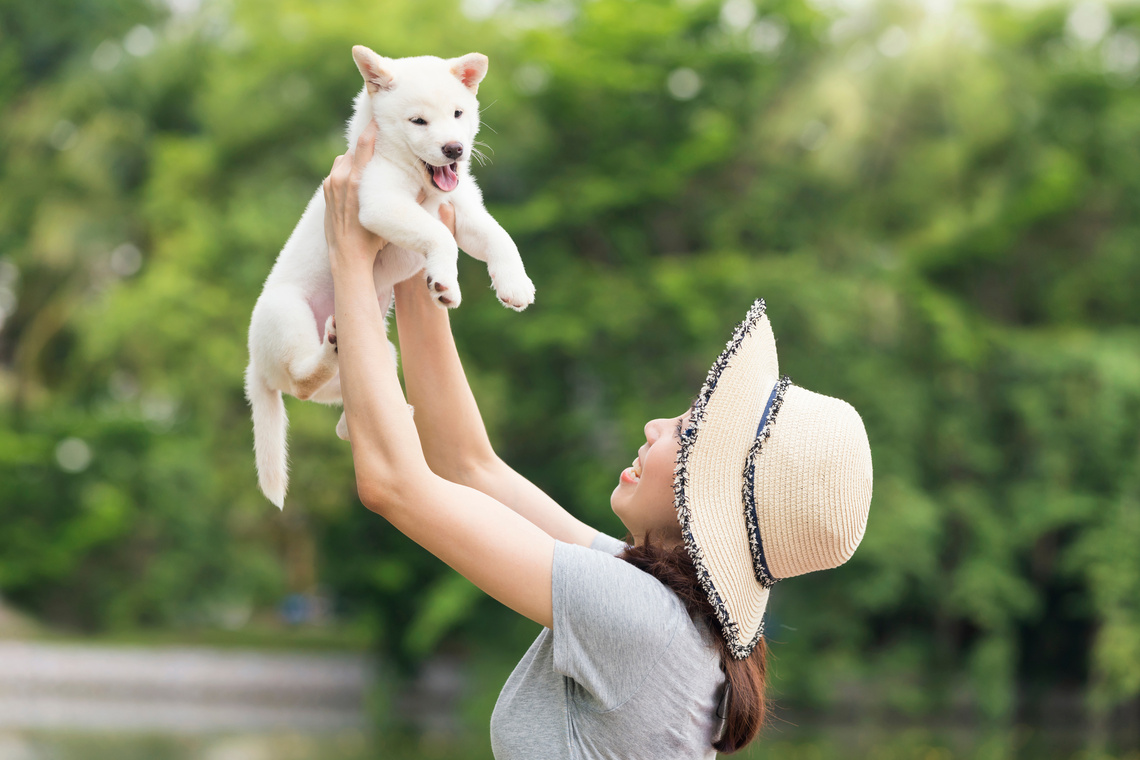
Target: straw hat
[{"x": 771, "y": 481}]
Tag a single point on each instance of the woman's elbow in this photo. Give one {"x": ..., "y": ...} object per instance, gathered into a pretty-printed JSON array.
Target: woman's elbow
[
  {"x": 371, "y": 494},
  {"x": 383, "y": 492}
]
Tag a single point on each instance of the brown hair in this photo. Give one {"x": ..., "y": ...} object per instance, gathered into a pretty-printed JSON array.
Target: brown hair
[{"x": 747, "y": 707}]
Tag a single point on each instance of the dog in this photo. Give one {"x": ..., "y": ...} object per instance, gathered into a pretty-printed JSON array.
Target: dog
[{"x": 428, "y": 116}]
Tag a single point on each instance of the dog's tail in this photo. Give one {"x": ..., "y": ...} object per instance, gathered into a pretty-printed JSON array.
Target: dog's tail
[{"x": 269, "y": 427}]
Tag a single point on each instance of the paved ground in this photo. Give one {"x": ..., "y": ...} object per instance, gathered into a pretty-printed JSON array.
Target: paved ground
[{"x": 178, "y": 690}]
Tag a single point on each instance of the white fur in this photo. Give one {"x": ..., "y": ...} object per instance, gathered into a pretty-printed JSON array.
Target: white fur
[{"x": 291, "y": 336}]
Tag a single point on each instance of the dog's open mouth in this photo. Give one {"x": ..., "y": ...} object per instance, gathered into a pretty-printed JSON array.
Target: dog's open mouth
[{"x": 443, "y": 177}]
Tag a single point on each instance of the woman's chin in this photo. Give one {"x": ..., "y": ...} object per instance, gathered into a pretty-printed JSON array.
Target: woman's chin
[
  {"x": 622, "y": 492},
  {"x": 618, "y": 501}
]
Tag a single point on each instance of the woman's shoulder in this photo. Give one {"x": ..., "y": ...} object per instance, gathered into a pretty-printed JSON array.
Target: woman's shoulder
[
  {"x": 692, "y": 634},
  {"x": 607, "y": 602},
  {"x": 598, "y": 571},
  {"x": 613, "y": 623}
]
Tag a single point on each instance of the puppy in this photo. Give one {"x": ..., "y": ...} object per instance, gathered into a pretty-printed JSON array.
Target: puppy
[{"x": 428, "y": 116}]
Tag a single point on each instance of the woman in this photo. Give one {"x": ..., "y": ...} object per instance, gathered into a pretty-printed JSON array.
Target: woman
[{"x": 654, "y": 653}]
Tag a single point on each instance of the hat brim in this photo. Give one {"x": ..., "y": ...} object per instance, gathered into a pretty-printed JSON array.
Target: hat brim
[{"x": 710, "y": 478}]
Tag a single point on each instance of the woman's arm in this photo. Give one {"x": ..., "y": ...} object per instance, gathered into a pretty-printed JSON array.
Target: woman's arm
[
  {"x": 499, "y": 551},
  {"x": 451, "y": 430}
]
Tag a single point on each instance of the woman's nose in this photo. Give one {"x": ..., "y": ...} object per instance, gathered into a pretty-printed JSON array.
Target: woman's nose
[{"x": 653, "y": 430}]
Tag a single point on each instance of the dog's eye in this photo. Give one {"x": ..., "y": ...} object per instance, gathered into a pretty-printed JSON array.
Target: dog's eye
[
  {"x": 458, "y": 114},
  {"x": 418, "y": 120}
]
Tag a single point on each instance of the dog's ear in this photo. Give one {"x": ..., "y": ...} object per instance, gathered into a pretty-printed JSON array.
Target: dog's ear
[
  {"x": 470, "y": 69},
  {"x": 372, "y": 67}
]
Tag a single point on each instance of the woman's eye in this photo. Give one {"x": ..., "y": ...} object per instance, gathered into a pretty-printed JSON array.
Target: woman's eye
[
  {"x": 458, "y": 114},
  {"x": 417, "y": 120}
]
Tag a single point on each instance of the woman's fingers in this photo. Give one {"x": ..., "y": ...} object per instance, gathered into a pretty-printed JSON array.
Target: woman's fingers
[
  {"x": 342, "y": 167},
  {"x": 343, "y": 231},
  {"x": 352, "y": 162},
  {"x": 447, "y": 216},
  {"x": 338, "y": 176},
  {"x": 365, "y": 145}
]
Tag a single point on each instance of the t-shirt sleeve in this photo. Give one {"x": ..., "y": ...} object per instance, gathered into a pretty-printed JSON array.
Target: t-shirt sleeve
[
  {"x": 612, "y": 622},
  {"x": 607, "y": 544}
]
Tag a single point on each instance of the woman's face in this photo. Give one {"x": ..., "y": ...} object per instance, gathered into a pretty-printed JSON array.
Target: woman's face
[{"x": 643, "y": 499}]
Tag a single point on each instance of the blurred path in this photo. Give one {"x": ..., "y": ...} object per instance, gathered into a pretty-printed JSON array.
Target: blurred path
[{"x": 180, "y": 690}]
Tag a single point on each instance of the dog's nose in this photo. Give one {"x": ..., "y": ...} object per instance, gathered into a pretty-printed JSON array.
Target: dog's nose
[{"x": 453, "y": 150}]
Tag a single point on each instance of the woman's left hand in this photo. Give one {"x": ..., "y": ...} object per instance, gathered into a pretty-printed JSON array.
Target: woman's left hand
[{"x": 349, "y": 242}]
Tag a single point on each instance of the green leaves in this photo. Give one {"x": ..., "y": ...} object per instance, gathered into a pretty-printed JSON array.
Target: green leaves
[{"x": 945, "y": 232}]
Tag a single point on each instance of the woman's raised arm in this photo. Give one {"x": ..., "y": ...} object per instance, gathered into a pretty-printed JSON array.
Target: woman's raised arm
[
  {"x": 451, "y": 430},
  {"x": 496, "y": 549}
]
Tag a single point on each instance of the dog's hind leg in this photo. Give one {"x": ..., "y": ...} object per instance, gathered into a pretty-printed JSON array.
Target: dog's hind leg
[
  {"x": 295, "y": 355},
  {"x": 310, "y": 371}
]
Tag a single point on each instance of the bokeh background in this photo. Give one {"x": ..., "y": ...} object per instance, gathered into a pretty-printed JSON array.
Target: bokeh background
[{"x": 940, "y": 202}]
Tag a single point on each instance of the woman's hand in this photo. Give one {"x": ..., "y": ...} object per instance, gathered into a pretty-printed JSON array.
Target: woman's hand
[
  {"x": 349, "y": 242},
  {"x": 447, "y": 216}
]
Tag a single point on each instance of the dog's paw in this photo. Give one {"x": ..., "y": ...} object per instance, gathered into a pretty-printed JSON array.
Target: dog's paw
[
  {"x": 342, "y": 427},
  {"x": 515, "y": 290},
  {"x": 330, "y": 334},
  {"x": 445, "y": 290}
]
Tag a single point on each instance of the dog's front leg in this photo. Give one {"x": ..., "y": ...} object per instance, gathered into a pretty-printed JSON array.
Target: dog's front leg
[
  {"x": 395, "y": 216},
  {"x": 483, "y": 238}
]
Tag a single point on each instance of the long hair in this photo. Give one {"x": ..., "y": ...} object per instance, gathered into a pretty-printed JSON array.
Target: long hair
[{"x": 747, "y": 708}]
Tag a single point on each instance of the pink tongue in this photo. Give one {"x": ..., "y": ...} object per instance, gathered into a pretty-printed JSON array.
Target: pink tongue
[{"x": 445, "y": 179}]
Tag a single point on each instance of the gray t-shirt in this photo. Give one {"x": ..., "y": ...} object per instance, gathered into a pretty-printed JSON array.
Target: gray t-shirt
[{"x": 625, "y": 673}]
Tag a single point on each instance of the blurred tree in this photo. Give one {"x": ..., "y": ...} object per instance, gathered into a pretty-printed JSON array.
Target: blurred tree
[{"x": 940, "y": 207}]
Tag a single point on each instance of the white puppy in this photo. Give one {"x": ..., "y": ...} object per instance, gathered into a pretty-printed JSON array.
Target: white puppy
[{"x": 428, "y": 117}]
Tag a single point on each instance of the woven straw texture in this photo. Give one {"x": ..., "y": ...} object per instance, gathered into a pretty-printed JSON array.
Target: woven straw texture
[
  {"x": 813, "y": 484},
  {"x": 715, "y": 466},
  {"x": 806, "y": 474}
]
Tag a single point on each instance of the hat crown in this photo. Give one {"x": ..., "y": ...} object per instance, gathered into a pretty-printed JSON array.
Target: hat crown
[{"x": 812, "y": 484}]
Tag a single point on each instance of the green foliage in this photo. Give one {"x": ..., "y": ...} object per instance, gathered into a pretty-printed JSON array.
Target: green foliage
[{"x": 946, "y": 238}]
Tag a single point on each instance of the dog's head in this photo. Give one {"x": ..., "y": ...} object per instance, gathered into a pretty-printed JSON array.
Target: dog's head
[{"x": 426, "y": 108}]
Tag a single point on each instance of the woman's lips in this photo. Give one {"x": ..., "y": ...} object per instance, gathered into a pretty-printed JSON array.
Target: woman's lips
[{"x": 632, "y": 474}]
